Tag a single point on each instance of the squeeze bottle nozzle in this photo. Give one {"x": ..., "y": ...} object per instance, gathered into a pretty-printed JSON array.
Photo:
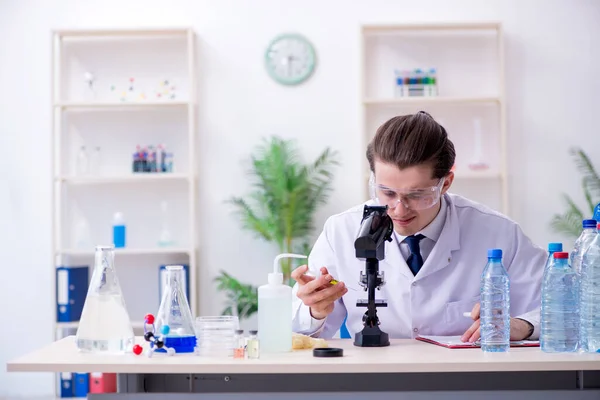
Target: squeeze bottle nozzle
[{"x": 276, "y": 277}]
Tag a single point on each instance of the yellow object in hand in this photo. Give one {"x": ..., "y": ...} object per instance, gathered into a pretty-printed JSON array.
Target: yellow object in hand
[{"x": 335, "y": 282}]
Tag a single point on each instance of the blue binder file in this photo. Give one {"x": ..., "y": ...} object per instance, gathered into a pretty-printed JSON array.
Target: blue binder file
[
  {"x": 81, "y": 384},
  {"x": 71, "y": 289},
  {"x": 66, "y": 384},
  {"x": 162, "y": 280}
]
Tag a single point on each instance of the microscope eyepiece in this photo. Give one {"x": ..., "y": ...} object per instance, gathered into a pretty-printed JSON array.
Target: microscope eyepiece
[{"x": 375, "y": 228}]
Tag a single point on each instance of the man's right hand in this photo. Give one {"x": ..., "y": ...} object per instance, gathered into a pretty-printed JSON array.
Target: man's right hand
[{"x": 316, "y": 292}]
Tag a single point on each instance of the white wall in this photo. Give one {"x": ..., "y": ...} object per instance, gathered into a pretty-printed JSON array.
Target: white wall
[{"x": 552, "y": 62}]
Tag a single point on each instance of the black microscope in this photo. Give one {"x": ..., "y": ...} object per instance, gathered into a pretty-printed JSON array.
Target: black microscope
[{"x": 376, "y": 228}]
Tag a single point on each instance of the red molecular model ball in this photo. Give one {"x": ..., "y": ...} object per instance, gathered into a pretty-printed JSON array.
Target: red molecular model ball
[
  {"x": 137, "y": 349},
  {"x": 149, "y": 318}
]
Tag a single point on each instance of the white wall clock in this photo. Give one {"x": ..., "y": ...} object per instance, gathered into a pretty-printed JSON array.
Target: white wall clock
[{"x": 290, "y": 59}]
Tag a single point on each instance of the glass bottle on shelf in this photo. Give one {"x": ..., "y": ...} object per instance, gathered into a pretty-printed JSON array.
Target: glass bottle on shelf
[
  {"x": 165, "y": 238},
  {"x": 95, "y": 161},
  {"x": 105, "y": 326},
  {"x": 82, "y": 165},
  {"x": 89, "y": 90},
  {"x": 478, "y": 161}
]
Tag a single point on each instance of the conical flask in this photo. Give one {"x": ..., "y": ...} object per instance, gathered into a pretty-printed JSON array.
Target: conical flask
[
  {"x": 174, "y": 318},
  {"x": 105, "y": 326}
]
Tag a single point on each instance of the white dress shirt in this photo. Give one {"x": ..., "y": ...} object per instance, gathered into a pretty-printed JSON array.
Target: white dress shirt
[{"x": 431, "y": 232}]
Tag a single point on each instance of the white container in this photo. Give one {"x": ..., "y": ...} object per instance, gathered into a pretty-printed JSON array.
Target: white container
[{"x": 275, "y": 311}]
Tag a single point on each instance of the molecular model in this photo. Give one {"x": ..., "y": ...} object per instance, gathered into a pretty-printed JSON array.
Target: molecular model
[{"x": 158, "y": 343}]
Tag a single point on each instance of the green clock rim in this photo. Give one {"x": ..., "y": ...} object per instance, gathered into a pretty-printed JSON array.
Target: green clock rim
[{"x": 311, "y": 66}]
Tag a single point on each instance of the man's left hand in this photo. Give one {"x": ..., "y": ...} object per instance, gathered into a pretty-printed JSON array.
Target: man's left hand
[{"x": 519, "y": 329}]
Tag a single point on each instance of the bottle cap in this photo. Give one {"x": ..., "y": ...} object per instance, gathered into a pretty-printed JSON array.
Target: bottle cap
[
  {"x": 275, "y": 278},
  {"x": 253, "y": 332},
  {"x": 239, "y": 331},
  {"x": 328, "y": 352},
  {"x": 554, "y": 247},
  {"x": 495, "y": 253},
  {"x": 561, "y": 254},
  {"x": 589, "y": 223}
]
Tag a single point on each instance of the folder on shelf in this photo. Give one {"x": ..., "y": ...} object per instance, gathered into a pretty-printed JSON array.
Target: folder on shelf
[
  {"x": 71, "y": 290},
  {"x": 103, "y": 382},
  {"x": 454, "y": 342},
  {"x": 66, "y": 384},
  {"x": 81, "y": 384},
  {"x": 162, "y": 280}
]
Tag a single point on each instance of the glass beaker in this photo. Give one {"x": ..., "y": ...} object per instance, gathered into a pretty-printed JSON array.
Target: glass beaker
[
  {"x": 105, "y": 326},
  {"x": 174, "y": 318}
]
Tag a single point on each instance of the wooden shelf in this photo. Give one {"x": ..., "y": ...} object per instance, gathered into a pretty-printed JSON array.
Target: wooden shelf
[
  {"x": 132, "y": 178},
  {"x": 430, "y": 100},
  {"x": 129, "y": 251},
  {"x": 123, "y": 32},
  {"x": 461, "y": 26},
  {"x": 119, "y": 105}
]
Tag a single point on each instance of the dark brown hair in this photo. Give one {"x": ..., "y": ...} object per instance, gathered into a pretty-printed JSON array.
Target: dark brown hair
[{"x": 411, "y": 140}]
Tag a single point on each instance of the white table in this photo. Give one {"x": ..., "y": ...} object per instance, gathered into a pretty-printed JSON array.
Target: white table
[{"x": 413, "y": 368}]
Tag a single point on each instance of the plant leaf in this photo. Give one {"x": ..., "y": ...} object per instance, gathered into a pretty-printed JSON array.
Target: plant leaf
[
  {"x": 591, "y": 179},
  {"x": 568, "y": 223}
]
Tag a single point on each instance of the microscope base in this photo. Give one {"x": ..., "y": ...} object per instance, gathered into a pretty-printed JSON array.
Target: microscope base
[{"x": 371, "y": 337}]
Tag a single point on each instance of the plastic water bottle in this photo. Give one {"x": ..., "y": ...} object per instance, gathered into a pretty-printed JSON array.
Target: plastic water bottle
[
  {"x": 495, "y": 305},
  {"x": 597, "y": 212},
  {"x": 560, "y": 307},
  {"x": 583, "y": 241},
  {"x": 589, "y": 305},
  {"x": 552, "y": 248}
]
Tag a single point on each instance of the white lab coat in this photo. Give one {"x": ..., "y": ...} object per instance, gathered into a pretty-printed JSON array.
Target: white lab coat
[{"x": 448, "y": 284}]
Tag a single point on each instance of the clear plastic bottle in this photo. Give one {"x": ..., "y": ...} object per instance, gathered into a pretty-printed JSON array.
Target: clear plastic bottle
[
  {"x": 590, "y": 297},
  {"x": 560, "y": 307},
  {"x": 495, "y": 305},
  {"x": 552, "y": 248},
  {"x": 105, "y": 326},
  {"x": 174, "y": 318},
  {"x": 274, "y": 311},
  {"x": 583, "y": 241}
]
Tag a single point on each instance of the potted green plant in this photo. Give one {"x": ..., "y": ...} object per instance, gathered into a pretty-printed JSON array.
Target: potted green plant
[
  {"x": 569, "y": 222},
  {"x": 286, "y": 192}
]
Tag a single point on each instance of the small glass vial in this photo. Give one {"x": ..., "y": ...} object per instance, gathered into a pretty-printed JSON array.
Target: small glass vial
[
  {"x": 239, "y": 344},
  {"x": 253, "y": 346}
]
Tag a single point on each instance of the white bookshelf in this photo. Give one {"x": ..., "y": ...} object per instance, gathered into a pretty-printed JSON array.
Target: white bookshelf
[
  {"x": 145, "y": 94},
  {"x": 468, "y": 58}
]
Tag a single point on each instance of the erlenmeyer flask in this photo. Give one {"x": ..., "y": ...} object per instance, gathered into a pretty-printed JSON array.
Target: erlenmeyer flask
[
  {"x": 174, "y": 318},
  {"x": 105, "y": 326}
]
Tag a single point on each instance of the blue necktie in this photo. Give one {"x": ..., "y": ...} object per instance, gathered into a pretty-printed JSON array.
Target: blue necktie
[{"x": 415, "y": 260}]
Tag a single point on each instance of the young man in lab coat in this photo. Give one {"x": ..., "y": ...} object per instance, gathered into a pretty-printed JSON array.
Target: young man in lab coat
[{"x": 434, "y": 262}]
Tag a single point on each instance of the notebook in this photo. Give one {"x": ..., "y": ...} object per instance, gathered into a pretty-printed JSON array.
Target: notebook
[{"x": 454, "y": 342}]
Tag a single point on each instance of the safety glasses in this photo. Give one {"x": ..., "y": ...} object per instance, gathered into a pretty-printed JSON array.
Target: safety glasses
[{"x": 413, "y": 199}]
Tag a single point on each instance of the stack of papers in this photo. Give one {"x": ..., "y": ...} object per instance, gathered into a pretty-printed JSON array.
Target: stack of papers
[{"x": 454, "y": 342}]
